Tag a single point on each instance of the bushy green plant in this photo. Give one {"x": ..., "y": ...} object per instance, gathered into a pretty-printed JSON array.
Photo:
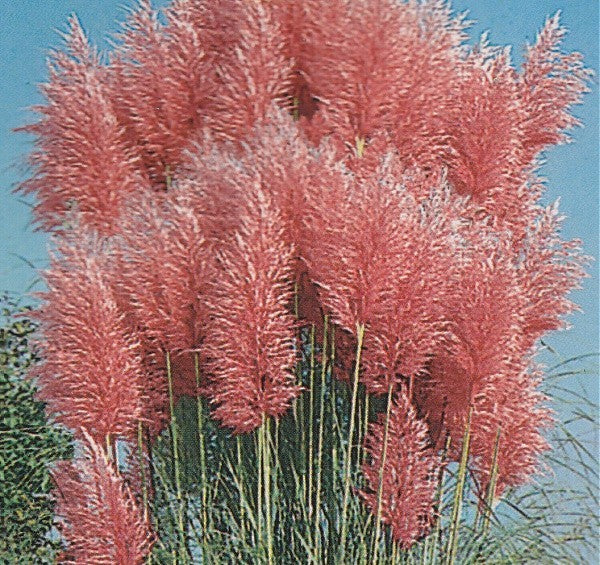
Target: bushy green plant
[
  {"x": 28, "y": 445},
  {"x": 552, "y": 520}
]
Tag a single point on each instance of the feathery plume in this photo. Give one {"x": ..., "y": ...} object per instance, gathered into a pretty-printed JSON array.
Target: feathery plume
[
  {"x": 409, "y": 474},
  {"x": 92, "y": 375},
  {"x": 485, "y": 144},
  {"x": 249, "y": 340},
  {"x": 174, "y": 59},
  {"x": 484, "y": 315},
  {"x": 549, "y": 270},
  {"x": 372, "y": 79},
  {"x": 511, "y": 405},
  {"x": 551, "y": 82},
  {"x": 97, "y": 514},
  {"x": 256, "y": 77},
  {"x": 294, "y": 19},
  {"x": 383, "y": 260},
  {"x": 84, "y": 171},
  {"x": 166, "y": 264}
]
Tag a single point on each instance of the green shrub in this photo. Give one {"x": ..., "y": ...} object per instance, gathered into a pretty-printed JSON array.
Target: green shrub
[{"x": 28, "y": 445}]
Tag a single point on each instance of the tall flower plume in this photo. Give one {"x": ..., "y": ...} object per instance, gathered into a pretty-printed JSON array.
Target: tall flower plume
[
  {"x": 551, "y": 82},
  {"x": 549, "y": 270},
  {"x": 176, "y": 60},
  {"x": 484, "y": 315},
  {"x": 91, "y": 376},
  {"x": 502, "y": 305},
  {"x": 409, "y": 475},
  {"x": 372, "y": 249},
  {"x": 166, "y": 263},
  {"x": 250, "y": 334},
  {"x": 371, "y": 80},
  {"x": 509, "y": 410},
  {"x": 258, "y": 75},
  {"x": 97, "y": 514},
  {"x": 486, "y": 158},
  {"x": 84, "y": 171}
]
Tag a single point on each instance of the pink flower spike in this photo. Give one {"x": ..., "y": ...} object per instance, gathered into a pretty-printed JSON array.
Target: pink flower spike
[
  {"x": 410, "y": 473},
  {"x": 250, "y": 336},
  {"x": 83, "y": 170},
  {"x": 91, "y": 376},
  {"x": 256, "y": 77},
  {"x": 97, "y": 514}
]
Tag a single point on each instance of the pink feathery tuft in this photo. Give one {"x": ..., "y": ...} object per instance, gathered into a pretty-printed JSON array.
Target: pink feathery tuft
[
  {"x": 97, "y": 514},
  {"x": 484, "y": 316},
  {"x": 485, "y": 159},
  {"x": 250, "y": 335},
  {"x": 551, "y": 82},
  {"x": 91, "y": 376},
  {"x": 175, "y": 59},
  {"x": 294, "y": 19},
  {"x": 258, "y": 75},
  {"x": 371, "y": 80},
  {"x": 84, "y": 171},
  {"x": 410, "y": 473},
  {"x": 549, "y": 270},
  {"x": 384, "y": 261},
  {"x": 166, "y": 264},
  {"x": 511, "y": 405}
]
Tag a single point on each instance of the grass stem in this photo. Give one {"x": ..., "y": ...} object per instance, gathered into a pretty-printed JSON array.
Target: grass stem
[
  {"x": 348, "y": 463},
  {"x": 176, "y": 466},
  {"x": 202, "y": 447},
  {"x": 452, "y": 546},
  {"x": 317, "y": 516},
  {"x": 380, "y": 478}
]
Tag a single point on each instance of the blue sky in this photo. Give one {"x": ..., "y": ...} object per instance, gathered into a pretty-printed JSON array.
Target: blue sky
[{"x": 30, "y": 30}]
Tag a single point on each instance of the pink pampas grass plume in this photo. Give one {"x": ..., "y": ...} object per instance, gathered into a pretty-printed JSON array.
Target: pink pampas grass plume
[
  {"x": 384, "y": 260},
  {"x": 551, "y": 82},
  {"x": 166, "y": 263},
  {"x": 83, "y": 169},
  {"x": 409, "y": 474},
  {"x": 175, "y": 59},
  {"x": 509, "y": 404},
  {"x": 372, "y": 81},
  {"x": 250, "y": 335},
  {"x": 257, "y": 75},
  {"x": 97, "y": 514},
  {"x": 91, "y": 376}
]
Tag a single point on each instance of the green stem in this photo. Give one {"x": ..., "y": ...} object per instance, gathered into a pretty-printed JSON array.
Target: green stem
[
  {"x": 311, "y": 415},
  {"x": 365, "y": 426},
  {"x": 266, "y": 464},
  {"x": 348, "y": 463},
  {"x": 381, "y": 469},
  {"x": 360, "y": 146},
  {"x": 492, "y": 486},
  {"x": 176, "y": 466},
  {"x": 440, "y": 503},
  {"x": 316, "y": 538},
  {"x": 201, "y": 440},
  {"x": 259, "y": 488},
  {"x": 452, "y": 547}
]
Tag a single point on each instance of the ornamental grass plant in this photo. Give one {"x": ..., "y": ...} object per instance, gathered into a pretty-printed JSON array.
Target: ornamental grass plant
[{"x": 300, "y": 275}]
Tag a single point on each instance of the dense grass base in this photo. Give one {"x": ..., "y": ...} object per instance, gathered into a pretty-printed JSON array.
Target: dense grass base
[{"x": 231, "y": 518}]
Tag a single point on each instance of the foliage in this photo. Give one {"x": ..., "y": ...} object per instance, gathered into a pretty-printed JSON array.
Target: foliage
[
  {"x": 554, "y": 520},
  {"x": 28, "y": 446}
]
